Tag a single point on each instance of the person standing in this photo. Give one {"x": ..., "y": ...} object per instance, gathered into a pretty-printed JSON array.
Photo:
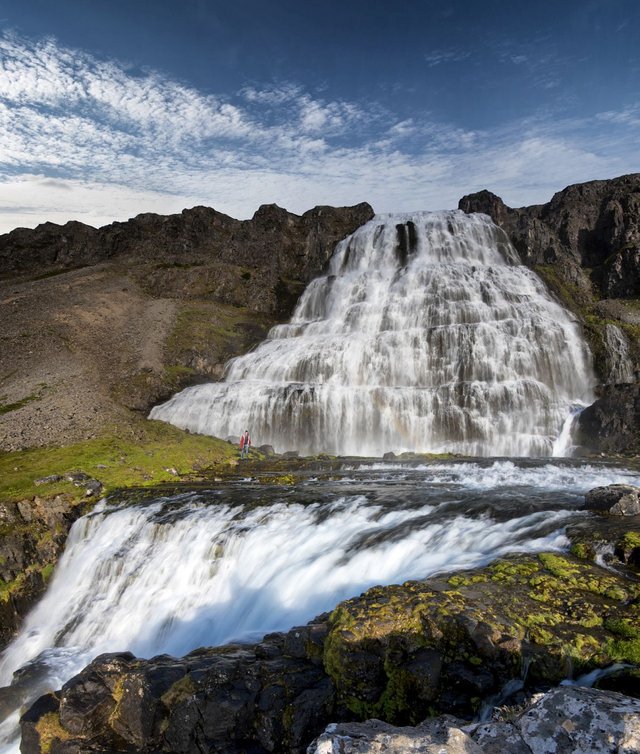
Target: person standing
[{"x": 245, "y": 444}]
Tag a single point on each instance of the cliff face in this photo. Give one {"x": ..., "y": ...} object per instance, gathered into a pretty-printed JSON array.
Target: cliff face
[
  {"x": 99, "y": 322},
  {"x": 585, "y": 243}
]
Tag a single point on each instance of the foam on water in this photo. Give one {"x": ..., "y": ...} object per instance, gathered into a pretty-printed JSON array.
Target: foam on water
[
  {"x": 425, "y": 334},
  {"x": 202, "y": 568}
]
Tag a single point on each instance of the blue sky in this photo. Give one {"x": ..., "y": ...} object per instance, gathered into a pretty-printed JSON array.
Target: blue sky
[{"x": 109, "y": 108}]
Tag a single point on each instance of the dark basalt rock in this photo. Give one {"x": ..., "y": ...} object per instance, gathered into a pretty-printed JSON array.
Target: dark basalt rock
[
  {"x": 290, "y": 246},
  {"x": 606, "y": 499},
  {"x": 398, "y": 653},
  {"x": 612, "y": 423}
]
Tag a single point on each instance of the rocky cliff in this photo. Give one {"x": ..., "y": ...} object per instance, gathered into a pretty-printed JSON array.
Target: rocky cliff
[
  {"x": 98, "y": 323},
  {"x": 585, "y": 243}
]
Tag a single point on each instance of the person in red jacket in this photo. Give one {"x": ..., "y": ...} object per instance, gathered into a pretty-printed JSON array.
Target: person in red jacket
[{"x": 245, "y": 444}]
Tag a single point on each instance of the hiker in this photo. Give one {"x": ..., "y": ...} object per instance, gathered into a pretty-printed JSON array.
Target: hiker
[{"x": 245, "y": 444}]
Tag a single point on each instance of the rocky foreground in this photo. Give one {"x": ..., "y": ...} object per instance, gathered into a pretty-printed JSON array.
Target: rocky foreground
[{"x": 400, "y": 653}]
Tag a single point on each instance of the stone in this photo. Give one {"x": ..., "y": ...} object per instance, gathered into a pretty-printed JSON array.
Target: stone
[
  {"x": 612, "y": 423},
  {"x": 267, "y": 450},
  {"x": 628, "y": 505},
  {"x": 390, "y": 456},
  {"x": 566, "y": 720},
  {"x": 78, "y": 478},
  {"x": 48, "y": 479},
  {"x": 615, "y": 499},
  {"x": 291, "y": 454},
  {"x": 92, "y": 487}
]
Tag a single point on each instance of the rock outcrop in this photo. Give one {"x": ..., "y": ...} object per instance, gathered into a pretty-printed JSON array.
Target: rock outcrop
[
  {"x": 572, "y": 720},
  {"x": 612, "y": 423},
  {"x": 585, "y": 243},
  {"x": 291, "y": 247},
  {"x": 616, "y": 499},
  {"x": 33, "y": 533},
  {"x": 399, "y": 653}
]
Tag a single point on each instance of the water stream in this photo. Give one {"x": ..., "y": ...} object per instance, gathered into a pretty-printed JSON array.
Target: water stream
[
  {"x": 242, "y": 559},
  {"x": 426, "y": 334}
]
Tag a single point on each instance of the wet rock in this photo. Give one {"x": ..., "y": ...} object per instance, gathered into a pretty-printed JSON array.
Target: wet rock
[
  {"x": 398, "y": 652},
  {"x": 615, "y": 499},
  {"x": 291, "y": 454},
  {"x": 267, "y": 450},
  {"x": 34, "y": 533},
  {"x": 390, "y": 456},
  {"x": 612, "y": 423},
  {"x": 571, "y": 720}
]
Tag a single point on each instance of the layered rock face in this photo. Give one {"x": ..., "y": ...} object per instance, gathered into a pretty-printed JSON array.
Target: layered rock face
[
  {"x": 585, "y": 243},
  {"x": 289, "y": 246},
  {"x": 33, "y": 534}
]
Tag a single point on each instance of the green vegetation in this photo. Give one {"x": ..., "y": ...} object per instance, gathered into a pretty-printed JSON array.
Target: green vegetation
[
  {"x": 6, "y": 408},
  {"x": 141, "y": 459},
  {"x": 551, "y": 609},
  {"x": 49, "y": 730}
]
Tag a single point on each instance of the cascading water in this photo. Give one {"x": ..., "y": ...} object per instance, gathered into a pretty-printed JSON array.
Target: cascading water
[
  {"x": 426, "y": 334},
  {"x": 206, "y": 567}
]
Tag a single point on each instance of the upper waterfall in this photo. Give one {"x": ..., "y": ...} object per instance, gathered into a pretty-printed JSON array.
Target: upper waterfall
[{"x": 426, "y": 333}]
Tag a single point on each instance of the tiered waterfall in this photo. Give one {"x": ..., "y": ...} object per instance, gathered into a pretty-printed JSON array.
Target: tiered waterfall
[{"x": 425, "y": 334}]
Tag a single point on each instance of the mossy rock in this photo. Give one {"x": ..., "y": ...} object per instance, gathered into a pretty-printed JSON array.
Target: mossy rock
[{"x": 403, "y": 652}]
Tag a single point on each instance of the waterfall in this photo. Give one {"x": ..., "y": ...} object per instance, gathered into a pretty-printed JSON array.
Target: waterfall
[
  {"x": 621, "y": 368},
  {"x": 236, "y": 562},
  {"x": 426, "y": 334}
]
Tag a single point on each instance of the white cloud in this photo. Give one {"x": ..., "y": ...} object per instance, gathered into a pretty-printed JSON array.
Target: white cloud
[{"x": 93, "y": 140}]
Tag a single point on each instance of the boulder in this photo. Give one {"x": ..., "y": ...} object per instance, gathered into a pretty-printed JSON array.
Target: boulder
[
  {"x": 616, "y": 499},
  {"x": 267, "y": 450},
  {"x": 571, "y": 720}
]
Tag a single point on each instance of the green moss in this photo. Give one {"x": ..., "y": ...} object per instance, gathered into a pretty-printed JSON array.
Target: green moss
[
  {"x": 181, "y": 690},
  {"x": 630, "y": 540},
  {"x": 625, "y": 650},
  {"x": 560, "y": 567},
  {"x": 582, "y": 550},
  {"x": 283, "y": 479},
  {"x": 6, "y": 408},
  {"x": 139, "y": 459},
  {"x": 623, "y": 627},
  {"x": 49, "y": 730}
]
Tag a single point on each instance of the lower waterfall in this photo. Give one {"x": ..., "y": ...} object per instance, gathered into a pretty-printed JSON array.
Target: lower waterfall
[
  {"x": 426, "y": 334},
  {"x": 233, "y": 563}
]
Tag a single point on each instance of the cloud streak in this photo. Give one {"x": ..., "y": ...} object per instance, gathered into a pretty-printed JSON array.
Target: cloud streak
[{"x": 96, "y": 140}]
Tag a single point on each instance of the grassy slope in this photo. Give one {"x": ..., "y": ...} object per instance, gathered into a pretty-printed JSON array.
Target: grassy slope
[{"x": 116, "y": 462}]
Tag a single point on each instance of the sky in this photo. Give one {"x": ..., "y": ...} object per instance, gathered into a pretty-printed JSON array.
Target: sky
[{"x": 110, "y": 108}]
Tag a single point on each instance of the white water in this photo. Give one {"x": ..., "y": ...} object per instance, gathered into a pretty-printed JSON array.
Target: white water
[
  {"x": 426, "y": 334},
  {"x": 209, "y": 567},
  {"x": 621, "y": 368}
]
